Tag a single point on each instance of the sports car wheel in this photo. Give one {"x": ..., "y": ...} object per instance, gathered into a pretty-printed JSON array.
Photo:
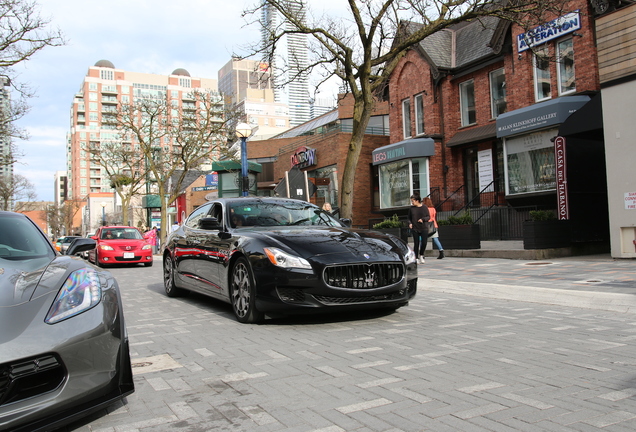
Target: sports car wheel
[
  {"x": 243, "y": 295},
  {"x": 168, "y": 278}
]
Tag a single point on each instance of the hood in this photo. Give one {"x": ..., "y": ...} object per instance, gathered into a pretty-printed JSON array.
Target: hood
[
  {"x": 350, "y": 244},
  {"x": 20, "y": 283}
]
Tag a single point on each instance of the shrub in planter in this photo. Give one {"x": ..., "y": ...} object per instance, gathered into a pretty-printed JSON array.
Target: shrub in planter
[
  {"x": 545, "y": 231},
  {"x": 393, "y": 226},
  {"x": 459, "y": 232}
]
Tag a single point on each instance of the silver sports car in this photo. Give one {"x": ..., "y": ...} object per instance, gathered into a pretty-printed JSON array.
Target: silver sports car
[{"x": 63, "y": 341}]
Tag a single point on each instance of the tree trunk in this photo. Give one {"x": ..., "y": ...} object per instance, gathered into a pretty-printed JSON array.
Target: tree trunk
[{"x": 361, "y": 114}]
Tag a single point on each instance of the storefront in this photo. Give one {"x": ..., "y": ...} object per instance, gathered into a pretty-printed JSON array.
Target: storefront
[
  {"x": 402, "y": 169},
  {"x": 528, "y": 136},
  {"x": 554, "y": 161}
]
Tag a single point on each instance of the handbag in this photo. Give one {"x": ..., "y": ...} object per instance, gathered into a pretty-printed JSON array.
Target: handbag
[{"x": 431, "y": 228}]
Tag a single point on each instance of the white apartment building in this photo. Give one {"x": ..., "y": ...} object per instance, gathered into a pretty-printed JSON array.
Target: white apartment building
[{"x": 103, "y": 88}]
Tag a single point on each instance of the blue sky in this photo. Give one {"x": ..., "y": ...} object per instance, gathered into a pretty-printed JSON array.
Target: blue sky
[{"x": 151, "y": 36}]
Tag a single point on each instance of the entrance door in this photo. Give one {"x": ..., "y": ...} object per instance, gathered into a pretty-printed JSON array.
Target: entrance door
[{"x": 471, "y": 179}]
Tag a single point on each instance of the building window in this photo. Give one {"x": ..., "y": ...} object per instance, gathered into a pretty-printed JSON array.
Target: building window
[
  {"x": 400, "y": 179},
  {"x": 542, "y": 85},
  {"x": 406, "y": 118},
  {"x": 530, "y": 163},
  {"x": 92, "y": 86},
  {"x": 467, "y": 102},
  {"x": 106, "y": 74},
  {"x": 498, "y": 92},
  {"x": 565, "y": 55},
  {"x": 419, "y": 114},
  {"x": 185, "y": 82}
]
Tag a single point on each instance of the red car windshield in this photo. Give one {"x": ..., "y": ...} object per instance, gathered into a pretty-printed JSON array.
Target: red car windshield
[{"x": 120, "y": 234}]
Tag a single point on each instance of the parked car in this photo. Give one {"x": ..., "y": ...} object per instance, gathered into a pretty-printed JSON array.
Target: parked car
[
  {"x": 66, "y": 241},
  {"x": 270, "y": 256},
  {"x": 120, "y": 245},
  {"x": 62, "y": 240},
  {"x": 63, "y": 342}
]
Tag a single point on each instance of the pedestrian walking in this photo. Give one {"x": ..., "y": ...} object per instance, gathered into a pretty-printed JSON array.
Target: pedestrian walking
[
  {"x": 418, "y": 218},
  {"x": 434, "y": 236},
  {"x": 151, "y": 237}
]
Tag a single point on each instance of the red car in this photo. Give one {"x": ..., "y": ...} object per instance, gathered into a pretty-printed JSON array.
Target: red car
[{"x": 120, "y": 245}]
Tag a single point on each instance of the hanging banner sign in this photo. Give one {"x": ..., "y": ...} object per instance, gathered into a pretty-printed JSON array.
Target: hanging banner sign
[
  {"x": 561, "y": 179},
  {"x": 549, "y": 31}
]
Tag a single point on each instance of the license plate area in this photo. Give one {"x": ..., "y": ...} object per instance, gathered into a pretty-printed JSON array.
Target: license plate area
[{"x": 129, "y": 255}]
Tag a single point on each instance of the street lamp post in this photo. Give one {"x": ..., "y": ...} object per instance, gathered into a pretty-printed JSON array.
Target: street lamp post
[
  {"x": 103, "y": 213},
  {"x": 243, "y": 131}
]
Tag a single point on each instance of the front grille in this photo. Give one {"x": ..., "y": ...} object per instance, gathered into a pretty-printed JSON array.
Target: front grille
[
  {"x": 30, "y": 377},
  {"x": 363, "y": 276},
  {"x": 135, "y": 258},
  {"x": 330, "y": 300}
]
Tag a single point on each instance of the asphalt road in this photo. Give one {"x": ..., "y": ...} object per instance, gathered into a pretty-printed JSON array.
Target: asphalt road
[{"x": 487, "y": 345}]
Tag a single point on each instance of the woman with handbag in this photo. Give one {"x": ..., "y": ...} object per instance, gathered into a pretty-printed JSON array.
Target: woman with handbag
[
  {"x": 432, "y": 232},
  {"x": 418, "y": 218}
]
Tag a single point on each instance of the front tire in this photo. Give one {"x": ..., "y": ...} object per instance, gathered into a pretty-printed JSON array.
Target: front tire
[
  {"x": 243, "y": 294},
  {"x": 168, "y": 278}
]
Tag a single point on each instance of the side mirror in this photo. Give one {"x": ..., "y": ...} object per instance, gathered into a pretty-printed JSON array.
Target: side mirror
[
  {"x": 209, "y": 223},
  {"x": 80, "y": 245}
]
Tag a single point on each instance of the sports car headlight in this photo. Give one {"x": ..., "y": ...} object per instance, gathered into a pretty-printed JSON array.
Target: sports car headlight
[
  {"x": 80, "y": 292},
  {"x": 106, "y": 247},
  {"x": 285, "y": 260}
]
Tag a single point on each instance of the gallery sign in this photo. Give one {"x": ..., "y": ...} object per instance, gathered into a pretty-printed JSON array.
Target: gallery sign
[
  {"x": 549, "y": 31},
  {"x": 561, "y": 179},
  {"x": 304, "y": 157}
]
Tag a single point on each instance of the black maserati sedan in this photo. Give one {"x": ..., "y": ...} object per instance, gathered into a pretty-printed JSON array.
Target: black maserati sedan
[
  {"x": 278, "y": 256},
  {"x": 63, "y": 343}
]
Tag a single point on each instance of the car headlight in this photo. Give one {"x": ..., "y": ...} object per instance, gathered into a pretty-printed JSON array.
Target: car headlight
[
  {"x": 409, "y": 256},
  {"x": 106, "y": 247},
  {"x": 80, "y": 292},
  {"x": 147, "y": 247},
  {"x": 285, "y": 260}
]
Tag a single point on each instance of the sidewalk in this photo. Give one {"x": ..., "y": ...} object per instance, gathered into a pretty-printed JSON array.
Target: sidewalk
[{"x": 588, "y": 281}]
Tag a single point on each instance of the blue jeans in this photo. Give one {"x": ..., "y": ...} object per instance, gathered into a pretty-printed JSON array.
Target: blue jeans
[{"x": 437, "y": 243}]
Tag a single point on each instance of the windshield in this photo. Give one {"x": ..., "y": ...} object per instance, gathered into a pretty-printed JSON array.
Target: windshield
[
  {"x": 280, "y": 213},
  {"x": 20, "y": 239},
  {"x": 121, "y": 234}
]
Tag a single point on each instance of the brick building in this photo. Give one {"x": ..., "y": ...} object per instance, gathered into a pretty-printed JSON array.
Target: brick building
[{"x": 482, "y": 109}]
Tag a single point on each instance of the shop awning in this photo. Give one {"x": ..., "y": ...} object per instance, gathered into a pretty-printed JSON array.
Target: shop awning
[
  {"x": 539, "y": 116},
  {"x": 587, "y": 120},
  {"x": 407, "y": 149},
  {"x": 477, "y": 134}
]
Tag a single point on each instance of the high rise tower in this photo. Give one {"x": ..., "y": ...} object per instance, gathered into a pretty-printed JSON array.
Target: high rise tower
[{"x": 288, "y": 62}]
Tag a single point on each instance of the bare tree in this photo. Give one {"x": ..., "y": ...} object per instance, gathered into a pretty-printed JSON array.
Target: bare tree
[
  {"x": 124, "y": 166},
  {"x": 13, "y": 188},
  {"x": 61, "y": 218},
  {"x": 173, "y": 138},
  {"x": 363, "y": 47},
  {"x": 22, "y": 34}
]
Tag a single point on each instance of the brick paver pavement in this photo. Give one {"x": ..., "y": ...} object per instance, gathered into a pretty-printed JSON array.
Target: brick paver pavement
[{"x": 465, "y": 355}]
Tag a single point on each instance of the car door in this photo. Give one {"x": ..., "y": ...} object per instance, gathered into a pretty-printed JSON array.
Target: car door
[
  {"x": 213, "y": 255},
  {"x": 187, "y": 248}
]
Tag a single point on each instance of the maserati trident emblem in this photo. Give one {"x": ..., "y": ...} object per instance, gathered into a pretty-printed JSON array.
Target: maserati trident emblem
[{"x": 369, "y": 277}]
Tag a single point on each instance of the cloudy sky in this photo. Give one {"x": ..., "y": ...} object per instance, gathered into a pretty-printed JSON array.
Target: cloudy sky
[{"x": 150, "y": 36}]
